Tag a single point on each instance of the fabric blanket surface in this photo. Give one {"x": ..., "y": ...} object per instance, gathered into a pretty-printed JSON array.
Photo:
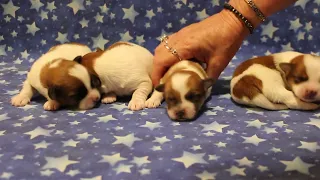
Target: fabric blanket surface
[{"x": 227, "y": 141}]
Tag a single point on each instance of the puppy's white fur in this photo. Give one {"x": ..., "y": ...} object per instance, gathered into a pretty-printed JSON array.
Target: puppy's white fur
[
  {"x": 274, "y": 94},
  {"x": 125, "y": 70},
  {"x": 33, "y": 84}
]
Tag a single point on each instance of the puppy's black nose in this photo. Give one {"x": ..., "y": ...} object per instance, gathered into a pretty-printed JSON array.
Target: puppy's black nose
[
  {"x": 310, "y": 94},
  {"x": 180, "y": 114}
]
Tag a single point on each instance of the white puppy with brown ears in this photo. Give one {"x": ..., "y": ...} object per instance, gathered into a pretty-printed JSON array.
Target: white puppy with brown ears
[
  {"x": 185, "y": 87},
  {"x": 62, "y": 81},
  {"x": 124, "y": 70},
  {"x": 285, "y": 80}
]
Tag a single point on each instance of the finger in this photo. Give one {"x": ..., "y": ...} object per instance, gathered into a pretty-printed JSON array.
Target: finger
[
  {"x": 164, "y": 59},
  {"x": 216, "y": 65}
]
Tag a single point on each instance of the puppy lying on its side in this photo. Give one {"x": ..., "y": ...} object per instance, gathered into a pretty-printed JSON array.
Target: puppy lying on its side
[
  {"x": 286, "y": 80},
  {"x": 185, "y": 87},
  {"x": 62, "y": 81},
  {"x": 124, "y": 69}
]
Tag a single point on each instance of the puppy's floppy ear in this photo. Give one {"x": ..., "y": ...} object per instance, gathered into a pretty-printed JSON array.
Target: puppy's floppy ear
[
  {"x": 207, "y": 83},
  {"x": 54, "y": 92},
  {"x": 95, "y": 81},
  {"x": 78, "y": 59},
  {"x": 286, "y": 68},
  {"x": 98, "y": 50},
  {"x": 160, "y": 88}
]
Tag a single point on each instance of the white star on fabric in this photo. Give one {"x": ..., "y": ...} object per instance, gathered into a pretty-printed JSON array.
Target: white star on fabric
[
  {"x": 84, "y": 22},
  {"x": 76, "y": 5},
  {"x": 84, "y": 135},
  {"x": 10, "y": 8},
  {"x": 70, "y": 143},
  {"x": 221, "y": 144},
  {"x": 139, "y": 161},
  {"x": 130, "y": 13},
  {"x": 73, "y": 172},
  {"x": 123, "y": 168},
  {"x": 201, "y": 14},
  {"x": 38, "y": 131},
  {"x": 245, "y": 162},
  {"x": 253, "y": 140},
  {"x": 6, "y": 175},
  {"x": 275, "y": 150},
  {"x": 62, "y": 38},
  {"x": 298, "y": 165},
  {"x": 188, "y": 159},
  {"x": 59, "y": 163},
  {"x": 104, "y": 8},
  {"x": 270, "y": 130},
  {"x": 287, "y": 47},
  {"x": 308, "y": 26},
  {"x": 211, "y": 113},
  {"x": 301, "y": 3},
  {"x": 43, "y": 144},
  {"x": 196, "y": 147},
  {"x": 262, "y": 168},
  {"x": 27, "y": 118},
  {"x": 16, "y": 157},
  {"x": 93, "y": 178},
  {"x": 161, "y": 140},
  {"x": 144, "y": 171},
  {"x": 315, "y": 122},
  {"x": 112, "y": 159},
  {"x": 99, "y": 18},
  {"x": 279, "y": 124},
  {"x": 99, "y": 41},
  {"x": 152, "y": 125},
  {"x": 106, "y": 119},
  {"x": 118, "y": 107},
  {"x": 156, "y": 148},
  {"x": 254, "y": 111},
  {"x": 256, "y": 123},
  {"x": 295, "y": 24},
  {"x": 301, "y": 36},
  {"x": 213, "y": 157},
  {"x": 125, "y": 36},
  {"x": 3, "y": 51},
  {"x": 150, "y": 14},
  {"x": 140, "y": 39},
  {"x": 36, "y": 4},
  {"x": 127, "y": 140},
  {"x": 4, "y": 117},
  {"x": 25, "y": 54},
  {"x": 225, "y": 96},
  {"x": 51, "y": 6},
  {"x": 47, "y": 172},
  {"x": 205, "y": 175},
  {"x": 213, "y": 127},
  {"x": 311, "y": 146},
  {"x": 234, "y": 170},
  {"x": 44, "y": 15},
  {"x": 32, "y": 28},
  {"x": 268, "y": 30}
]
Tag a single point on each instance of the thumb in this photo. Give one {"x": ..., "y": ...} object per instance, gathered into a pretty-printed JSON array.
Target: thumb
[{"x": 216, "y": 65}]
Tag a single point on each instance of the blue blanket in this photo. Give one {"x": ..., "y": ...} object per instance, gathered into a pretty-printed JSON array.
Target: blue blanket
[{"x": 110, "y": 142}]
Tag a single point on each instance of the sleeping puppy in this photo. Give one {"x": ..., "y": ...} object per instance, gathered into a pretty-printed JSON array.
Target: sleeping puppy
[
  {"x": 285, "y": 80},
  {"x": 124, "y": 70},
  {"x": 62, "y": 81},
  {"x": 185, "y": 87}
]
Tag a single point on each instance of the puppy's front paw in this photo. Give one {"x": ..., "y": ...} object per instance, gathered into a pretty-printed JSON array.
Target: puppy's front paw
[
  {"x": 311, "y": 106},
  {"x": 109, "y": 98},
  {"x": 20, "y": 100},
  {"x": 136, "y": 104},
  {"x": 152, "y": 103},
  {"x": 51, "y": 105}
]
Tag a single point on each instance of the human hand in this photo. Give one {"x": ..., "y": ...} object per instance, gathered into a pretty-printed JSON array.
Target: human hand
[{"x": 213, "y": 41}]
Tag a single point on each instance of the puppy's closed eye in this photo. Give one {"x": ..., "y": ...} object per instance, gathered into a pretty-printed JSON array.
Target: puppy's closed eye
[{"x": 192, "y": 96}]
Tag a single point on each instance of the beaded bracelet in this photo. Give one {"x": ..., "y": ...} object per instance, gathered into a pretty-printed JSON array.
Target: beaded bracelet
[
  {"x": 256, "y": 10},
  {"x": 247, "y": 23}
]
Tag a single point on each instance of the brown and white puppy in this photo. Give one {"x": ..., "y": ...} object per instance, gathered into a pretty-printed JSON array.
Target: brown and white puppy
[
  {"x": 124, "y": 70},
  {"x": 285, "y": 80},
  {"x": 185, "y": 87},
  {"x": 62, "y": 81}
]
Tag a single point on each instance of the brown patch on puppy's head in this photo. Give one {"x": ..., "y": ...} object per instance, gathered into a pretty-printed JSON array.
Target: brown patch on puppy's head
[
  {"x": 120, "y": 43},
  {"x": 70, "y": 84}
]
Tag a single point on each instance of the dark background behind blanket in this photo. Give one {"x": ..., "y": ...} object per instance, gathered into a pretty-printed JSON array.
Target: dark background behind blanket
[{"x": 110, "y": 142}]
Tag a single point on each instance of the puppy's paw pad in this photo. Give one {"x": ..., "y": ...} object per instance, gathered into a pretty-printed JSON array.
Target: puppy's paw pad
[
  {"x": 153, "y": 103},
  {"x": 136, "y": 105},
  {"x": 51, "y": 106},
  {"x": 19, "y": 100},
  {"x": 107, "y": 99}
]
